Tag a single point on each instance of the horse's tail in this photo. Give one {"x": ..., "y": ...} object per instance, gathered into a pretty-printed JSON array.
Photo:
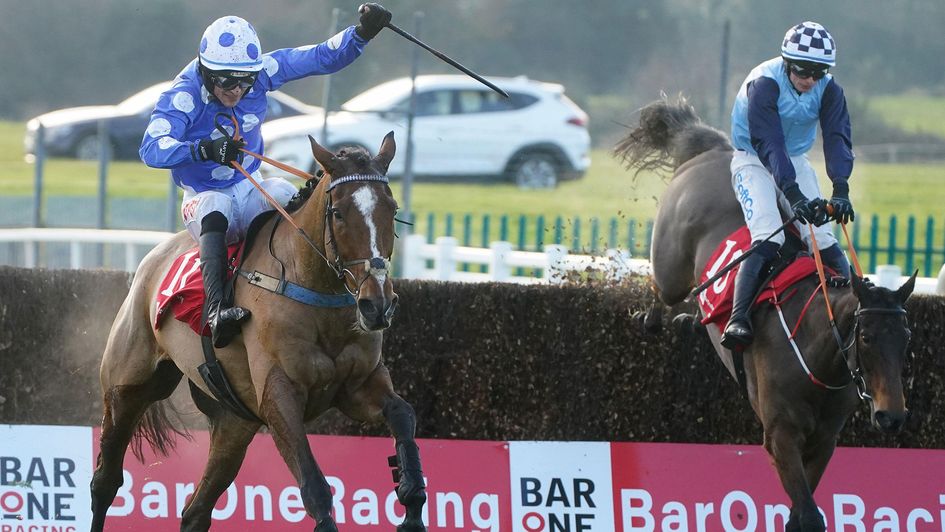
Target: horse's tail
[
  {"x": 156, "y": 428},
  {"x": 668, "y": 135}
]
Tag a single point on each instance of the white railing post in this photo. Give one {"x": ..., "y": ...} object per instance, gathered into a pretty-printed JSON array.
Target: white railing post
[
  {"x": 445, "y": 263},
  {"x": 130, "y": 262},
  {"x": 75, "y": 255},
  {"x": 557, "y": 256},
  {"x": 413, "y": 262},
  {"x": 887, "y": 276},
  {"x": 499, "y": 263},
  {"x": 940, "y": 285},
  {"x": 29, "y": 253},
  {"x": 619, "y": 261}
]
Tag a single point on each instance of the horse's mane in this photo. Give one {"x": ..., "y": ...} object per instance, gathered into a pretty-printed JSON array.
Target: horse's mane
[
  {"x": 303, "y": 194},
  {"x": 668, "y": 135},
  {"x": 360, "y": 156}
]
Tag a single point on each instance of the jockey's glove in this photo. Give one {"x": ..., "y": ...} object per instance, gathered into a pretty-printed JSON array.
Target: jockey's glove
[
  {"x": 373, "y": 19},
  {"x": 804, "y": 209},
  {"x": 840, "y": 202},
  {"x": 221, "y": 151}
]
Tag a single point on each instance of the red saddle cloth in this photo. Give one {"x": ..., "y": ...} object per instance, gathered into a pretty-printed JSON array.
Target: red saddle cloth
[
  {"x": 716, "y": 300},
  {"x": 181, "y": 290}
]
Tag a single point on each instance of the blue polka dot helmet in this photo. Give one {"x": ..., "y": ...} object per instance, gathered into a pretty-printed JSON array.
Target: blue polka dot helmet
[
  {"x": 809, "y": 41},
  {"x": 231, "y": 44}
]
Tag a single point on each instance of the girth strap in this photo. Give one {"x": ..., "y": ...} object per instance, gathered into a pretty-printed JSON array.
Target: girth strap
[{"x": 296, "y": 292}]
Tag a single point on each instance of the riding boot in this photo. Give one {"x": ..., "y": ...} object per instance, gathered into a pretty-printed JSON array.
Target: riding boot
[
  {"x": 738, "y": 332},
  {"x": 834, "y": 259},
  {"x": 223, "y": 319}
]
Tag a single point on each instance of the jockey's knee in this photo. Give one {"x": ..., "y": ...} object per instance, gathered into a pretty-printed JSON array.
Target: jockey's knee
[
  {"x": 214, "y": 222},
  {"x": 280, "y": 189}
]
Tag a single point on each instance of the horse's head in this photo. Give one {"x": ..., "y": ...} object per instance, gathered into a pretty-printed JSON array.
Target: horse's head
[
  {"x": 878, "y": 357},
  {"x": 359, "y": 227}
]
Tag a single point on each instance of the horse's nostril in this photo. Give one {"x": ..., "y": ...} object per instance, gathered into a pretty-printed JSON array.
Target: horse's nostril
[
  {"x": 889, "y": 422},
  {"x": 367, "y": 308}
]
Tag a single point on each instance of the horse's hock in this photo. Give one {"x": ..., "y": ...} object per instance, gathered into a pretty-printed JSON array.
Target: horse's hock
[{"x": 572, "y": 361}]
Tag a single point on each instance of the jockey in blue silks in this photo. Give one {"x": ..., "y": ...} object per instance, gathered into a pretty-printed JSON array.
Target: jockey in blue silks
[
  {"x": 231, "y": 76},
  {"x": 774, "y": 123}
]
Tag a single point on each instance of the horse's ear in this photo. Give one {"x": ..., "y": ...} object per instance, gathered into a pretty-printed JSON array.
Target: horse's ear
[
  {"x": 386, "y": 154},
  {"x": 856, "y": 282},
  {"x": 324, "y": 157},
  {"x": 906, "y": 289}
]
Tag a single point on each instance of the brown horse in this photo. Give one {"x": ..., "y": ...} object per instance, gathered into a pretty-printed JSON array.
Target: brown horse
[
  {"x": 801, "y": 419},
  {"x": 293, "y": 361}
]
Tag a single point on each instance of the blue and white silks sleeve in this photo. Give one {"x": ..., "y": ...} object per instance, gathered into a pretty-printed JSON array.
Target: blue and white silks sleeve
[
  {"x": 836, "y": 132},
  {"x": 287, "y": 64},
  {"x": 767, "y": 135},
  {"x": 164, "y": 144}
]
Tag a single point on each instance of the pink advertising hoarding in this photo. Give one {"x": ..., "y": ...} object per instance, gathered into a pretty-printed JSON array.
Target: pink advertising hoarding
[
  {"x": 473, "y": 486},
  {"x": 467, "y": 487},
  {"x": 735, "y": 488}
]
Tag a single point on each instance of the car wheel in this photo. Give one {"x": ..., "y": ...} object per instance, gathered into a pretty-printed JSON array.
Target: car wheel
[
  {"x": 535, "y": 170},
  {"x": 88, "y": 146}
]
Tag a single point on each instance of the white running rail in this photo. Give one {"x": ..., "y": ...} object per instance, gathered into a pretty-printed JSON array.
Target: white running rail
[
  {"x": 501, "y": 261},
  {"x": 74, "y": 237}
]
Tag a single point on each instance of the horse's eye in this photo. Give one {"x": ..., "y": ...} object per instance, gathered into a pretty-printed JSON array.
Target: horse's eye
[
  {"x": 336, "y": 214},
  {"x": 866, "y": 338}
]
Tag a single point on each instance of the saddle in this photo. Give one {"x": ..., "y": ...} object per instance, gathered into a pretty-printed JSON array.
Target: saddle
[{"x": 792, "y": 265}]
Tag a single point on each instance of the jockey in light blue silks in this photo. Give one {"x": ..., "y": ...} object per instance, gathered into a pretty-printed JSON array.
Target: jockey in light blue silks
[
  {"x": 774, "y": 123},
  {"x": 231, "y": 75}
]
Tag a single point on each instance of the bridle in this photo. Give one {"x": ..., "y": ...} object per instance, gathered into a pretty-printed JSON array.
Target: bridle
[
  {"x": 374, "y": 266},
  {"x": 850, "y": 354}
]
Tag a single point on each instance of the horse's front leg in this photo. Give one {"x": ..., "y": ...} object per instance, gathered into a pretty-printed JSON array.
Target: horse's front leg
[
  {"x": 282, "y": 410},
  {"x": 784, "y": 446},
  {"x": 376, "y": 398}
]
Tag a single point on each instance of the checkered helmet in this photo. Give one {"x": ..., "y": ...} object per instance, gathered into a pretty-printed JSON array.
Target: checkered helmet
[
  {"x": 231, "y": 43},
  {"x": 809, "y": 41}
]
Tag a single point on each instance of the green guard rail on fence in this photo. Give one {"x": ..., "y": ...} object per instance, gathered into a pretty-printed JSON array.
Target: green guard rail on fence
[{"x": 924, "y": 250}]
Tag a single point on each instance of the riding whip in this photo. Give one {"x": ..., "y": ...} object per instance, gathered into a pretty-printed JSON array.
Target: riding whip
[{"x": 445, "y": 58}]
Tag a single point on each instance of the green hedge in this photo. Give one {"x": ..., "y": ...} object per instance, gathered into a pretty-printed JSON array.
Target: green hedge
[{"x": 477, "y": 361}]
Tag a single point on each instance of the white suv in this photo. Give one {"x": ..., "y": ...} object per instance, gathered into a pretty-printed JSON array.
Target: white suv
[{"x": 461, "y": 129}]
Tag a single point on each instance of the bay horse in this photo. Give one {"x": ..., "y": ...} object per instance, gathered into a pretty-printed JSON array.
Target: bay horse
[
  {"x": 292, "y": 362},
  {"x": 801, "y": 419}
]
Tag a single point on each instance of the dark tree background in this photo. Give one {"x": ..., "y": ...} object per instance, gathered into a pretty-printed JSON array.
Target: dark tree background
[{"x": 613, "y": 56}]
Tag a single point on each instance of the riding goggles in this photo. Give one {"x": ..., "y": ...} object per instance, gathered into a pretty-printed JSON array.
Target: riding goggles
[
  {"x": 243, "y": 80},
  {"x": 804, "y": 72}
]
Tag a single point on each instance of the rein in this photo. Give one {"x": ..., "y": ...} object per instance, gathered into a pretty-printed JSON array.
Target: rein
[
  {"x": 373, "y": 266},
  {"x": 847, "y": 350}
]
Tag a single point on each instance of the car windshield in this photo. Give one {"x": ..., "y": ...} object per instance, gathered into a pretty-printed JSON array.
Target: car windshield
[
  {"x": 142, "y": 101},
  {"x": 379, "y": 98}
]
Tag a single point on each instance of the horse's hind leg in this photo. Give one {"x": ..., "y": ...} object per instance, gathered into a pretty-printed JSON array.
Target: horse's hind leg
[
  {"x": 124, "y": 406},
  {"x": 376, "y": 398},
  {"x": 282, "y": 410},
  {"x": 230, "y": 435}
]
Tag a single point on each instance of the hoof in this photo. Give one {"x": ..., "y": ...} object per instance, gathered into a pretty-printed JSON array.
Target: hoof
[
  {"x": 411, "y": 491},
  {"x": 651, "y": 321},
  {"x": 687, "y": 324},
  {"x": 326, "y": 525}
]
